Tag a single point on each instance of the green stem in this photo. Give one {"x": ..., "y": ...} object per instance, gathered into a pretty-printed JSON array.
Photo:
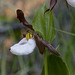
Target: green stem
[
  {"x": 3, "y": 64},
  {"x": 45, "y": 63}
]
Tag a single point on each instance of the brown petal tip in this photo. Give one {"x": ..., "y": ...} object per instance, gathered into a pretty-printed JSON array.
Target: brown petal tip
[
  {"x": 20, "y": 16},
  {"x": 52, "y": 5},
  {"x": 46, "y": 11}
]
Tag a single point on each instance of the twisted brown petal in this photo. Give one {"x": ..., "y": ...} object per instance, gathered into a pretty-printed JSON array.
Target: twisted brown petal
[
  {"x": 20, "y": 16},
  {"x": 52, "y": 4},
  {"x": 39, "y": 44},
  {"x": 42, "y": 44}
]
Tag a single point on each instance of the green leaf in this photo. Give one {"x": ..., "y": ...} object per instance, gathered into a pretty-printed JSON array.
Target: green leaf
[
  {"x": 44, "y": 24},
  {"x": 56, "y": 66}
]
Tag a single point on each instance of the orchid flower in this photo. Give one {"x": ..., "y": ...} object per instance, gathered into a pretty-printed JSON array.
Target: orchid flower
[
  {"x": 71, "y": 2},
  {"x": 54, "y": 2},
  {"x": 30, "y": 40}
]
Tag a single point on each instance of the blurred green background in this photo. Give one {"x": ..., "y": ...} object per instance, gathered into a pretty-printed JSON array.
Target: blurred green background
[{"x": 11, "y": 31}]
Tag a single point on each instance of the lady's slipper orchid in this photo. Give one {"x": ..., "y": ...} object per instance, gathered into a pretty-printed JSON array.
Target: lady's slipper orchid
[
  {"x": 27, "y": 44},
  {"x": 24, "y": 47},
  {"x": 71, "y": 2}
]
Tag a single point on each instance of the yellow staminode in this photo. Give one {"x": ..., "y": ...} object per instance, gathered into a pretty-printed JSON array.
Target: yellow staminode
[{"x": 28, "y": 36}]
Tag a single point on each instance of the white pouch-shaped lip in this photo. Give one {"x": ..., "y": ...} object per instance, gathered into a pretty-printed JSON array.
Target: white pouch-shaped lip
[
  {"x": 24, "y": 47},
  {"x": 71, "y": 2}
]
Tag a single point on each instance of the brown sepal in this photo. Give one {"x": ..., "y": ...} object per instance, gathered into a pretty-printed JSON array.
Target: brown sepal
[
  {"x": 50, "y": 47},
  {"x": 46, "y": 11},
  {"x": 39, "y": 44},
  {"x": 52, "y": 4},
  {"x": 42, "y": 44},
  {"x": 20, "y": 16}
]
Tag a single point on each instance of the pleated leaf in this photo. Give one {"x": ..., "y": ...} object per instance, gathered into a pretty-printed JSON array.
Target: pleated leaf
[
  {"x": 44, "y": 24},
  {"x": 56, "y": 66}
]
